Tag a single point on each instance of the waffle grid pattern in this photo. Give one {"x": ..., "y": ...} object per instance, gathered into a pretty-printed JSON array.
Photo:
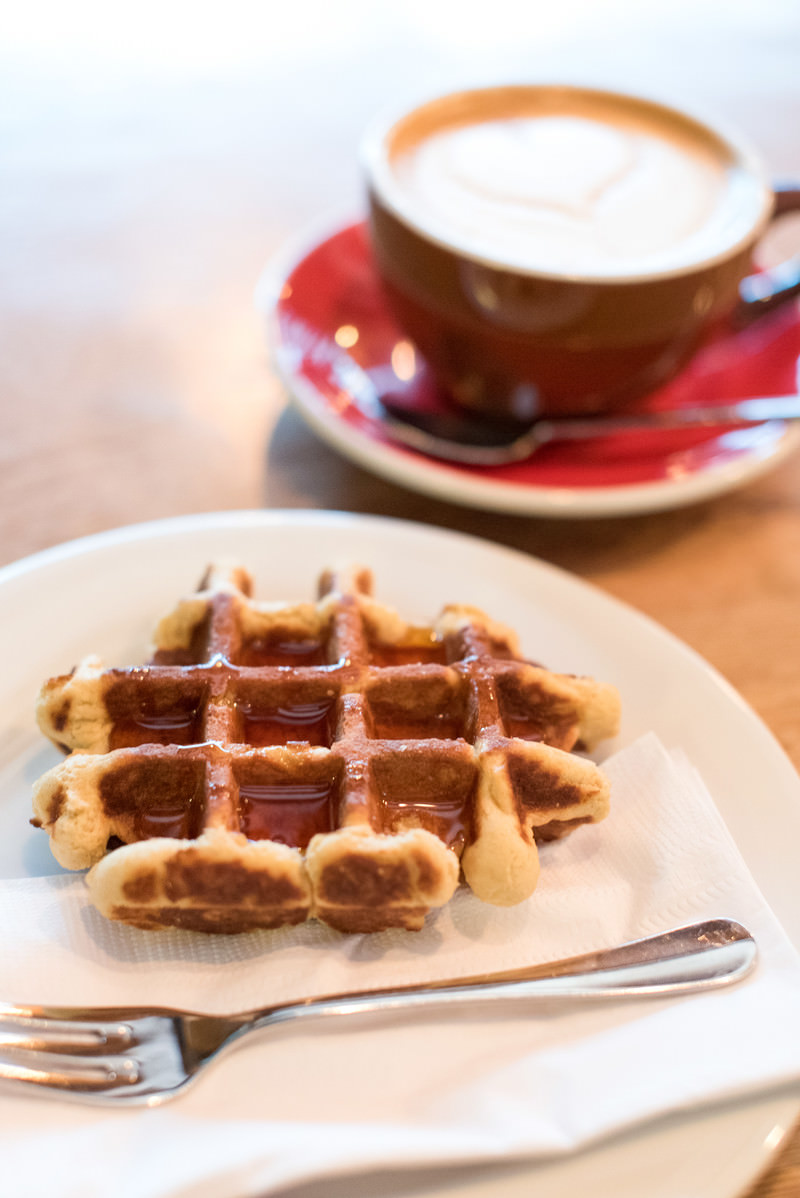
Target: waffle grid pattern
[{"x": 323, "y": 759}]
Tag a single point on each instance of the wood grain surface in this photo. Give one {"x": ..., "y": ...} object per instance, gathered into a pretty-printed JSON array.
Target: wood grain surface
[{"x": 149, "y": 173}]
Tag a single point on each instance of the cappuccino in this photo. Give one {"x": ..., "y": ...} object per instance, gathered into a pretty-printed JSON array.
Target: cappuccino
[
  {"x": 567, "y": 184},
  {"x": 557, "y": 250}
]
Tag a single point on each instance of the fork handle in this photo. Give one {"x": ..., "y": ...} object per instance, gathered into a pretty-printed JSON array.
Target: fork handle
[{"x": 699, "y": 956}]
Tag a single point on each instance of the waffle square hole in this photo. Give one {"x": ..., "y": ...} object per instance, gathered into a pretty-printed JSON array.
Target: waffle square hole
[
  {"x": 145, "y": 710},
  {"x": 416, "y": 709},
  {"x": 149, "y": 798},
  {"x": 194, "y": 653},
  {"x": 417, "y": 791},
  {"x": 420, "y": 647},
  {"x": 280, "y": 716},
  {"x": 530, "y": 713},
  {"x": 284, "y": 645},
  {"x": 287, "y": 808}
]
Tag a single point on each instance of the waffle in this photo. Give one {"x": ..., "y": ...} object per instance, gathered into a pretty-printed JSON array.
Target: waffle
[{"x": 275, "y": 763}]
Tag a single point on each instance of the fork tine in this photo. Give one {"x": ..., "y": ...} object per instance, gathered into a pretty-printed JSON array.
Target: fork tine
[
  {"x": 69, "y": 1036},
  {"x": 70, "y": 1073},
  {"x": 139, "y": 1059}
]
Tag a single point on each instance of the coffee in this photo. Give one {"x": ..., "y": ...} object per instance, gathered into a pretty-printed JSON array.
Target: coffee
[{"x": 557, "y": 183}]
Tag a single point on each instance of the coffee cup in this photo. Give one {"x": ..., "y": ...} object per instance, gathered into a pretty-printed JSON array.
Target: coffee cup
[{"x": 561, "y": 249}]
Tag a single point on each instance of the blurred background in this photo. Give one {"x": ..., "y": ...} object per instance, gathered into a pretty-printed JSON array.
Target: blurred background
[{"x": 154, "y": 157}]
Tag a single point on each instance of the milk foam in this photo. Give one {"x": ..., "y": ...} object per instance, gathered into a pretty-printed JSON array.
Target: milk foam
[{"x": 570, "y": 193}]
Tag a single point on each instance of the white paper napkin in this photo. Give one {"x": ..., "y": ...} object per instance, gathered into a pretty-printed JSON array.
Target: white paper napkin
[{"x": 299, "y": 1104}]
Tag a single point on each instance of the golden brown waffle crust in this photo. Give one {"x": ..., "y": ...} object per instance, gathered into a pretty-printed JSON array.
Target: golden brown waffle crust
[{"x": 428, "y": 756}]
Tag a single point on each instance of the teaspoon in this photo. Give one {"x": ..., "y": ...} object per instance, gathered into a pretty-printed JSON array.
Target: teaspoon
[{"x": 472, "y": 440}]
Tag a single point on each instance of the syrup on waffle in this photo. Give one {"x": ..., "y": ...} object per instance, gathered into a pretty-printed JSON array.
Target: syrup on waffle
[{"x": 324, "y": 759}]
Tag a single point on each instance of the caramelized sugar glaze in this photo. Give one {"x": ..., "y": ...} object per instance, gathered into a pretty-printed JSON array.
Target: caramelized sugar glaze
[{"x": 322, "y": 728}]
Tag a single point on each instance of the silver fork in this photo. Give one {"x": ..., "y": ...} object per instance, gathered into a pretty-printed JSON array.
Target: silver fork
[{"x": 116, "y": 1055}]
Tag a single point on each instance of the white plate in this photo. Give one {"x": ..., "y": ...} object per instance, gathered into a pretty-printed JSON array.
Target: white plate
[{"x": 102, "y": 594}]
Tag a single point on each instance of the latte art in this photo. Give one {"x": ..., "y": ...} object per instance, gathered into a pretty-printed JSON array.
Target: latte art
[{"x": 569, "y": 193}]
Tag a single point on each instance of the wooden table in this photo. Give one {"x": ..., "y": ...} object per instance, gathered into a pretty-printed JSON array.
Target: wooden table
[{"x": 148, "y": 174}]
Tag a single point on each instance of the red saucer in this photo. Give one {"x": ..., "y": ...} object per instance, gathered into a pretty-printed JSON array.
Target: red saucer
[{"x": 329, "y": 297}]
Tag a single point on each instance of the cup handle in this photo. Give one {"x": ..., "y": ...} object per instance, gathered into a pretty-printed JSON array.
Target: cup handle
[{"x": 762, "y": 293}]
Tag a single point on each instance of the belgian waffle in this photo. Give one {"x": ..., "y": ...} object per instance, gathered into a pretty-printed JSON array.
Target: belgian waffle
[{"x": 326, "y": 759}]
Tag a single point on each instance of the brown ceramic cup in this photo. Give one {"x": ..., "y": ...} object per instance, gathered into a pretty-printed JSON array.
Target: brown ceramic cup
[{"x": 554, "y": 250}]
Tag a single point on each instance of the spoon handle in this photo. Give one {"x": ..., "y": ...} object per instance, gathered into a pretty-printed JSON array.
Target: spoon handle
[{"x": 777, "y": 407}]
